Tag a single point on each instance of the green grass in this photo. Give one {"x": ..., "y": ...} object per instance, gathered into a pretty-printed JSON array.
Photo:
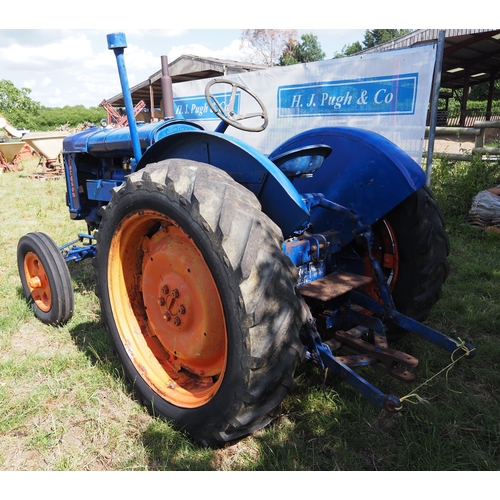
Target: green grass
[{"x": 66, "y": 406}]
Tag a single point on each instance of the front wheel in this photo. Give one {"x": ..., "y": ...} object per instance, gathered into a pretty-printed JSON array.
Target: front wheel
[
  {"x": 45, "y": 278},
  {"x": 198, "y": 299}
]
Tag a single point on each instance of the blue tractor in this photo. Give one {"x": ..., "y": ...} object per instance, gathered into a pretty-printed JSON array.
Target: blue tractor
[{"x": 220, "y": 269}]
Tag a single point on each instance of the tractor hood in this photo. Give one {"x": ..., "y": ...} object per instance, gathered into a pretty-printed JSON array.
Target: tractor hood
[{"x": 111, "y": 142}]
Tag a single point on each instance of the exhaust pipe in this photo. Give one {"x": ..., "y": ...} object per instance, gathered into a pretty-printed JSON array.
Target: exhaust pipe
[{"x": 166, "y": 90}]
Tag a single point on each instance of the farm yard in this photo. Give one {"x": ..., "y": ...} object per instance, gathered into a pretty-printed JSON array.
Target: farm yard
[
  {"x": 66, "y": 405},
  {"x": 75, "y": 397}
]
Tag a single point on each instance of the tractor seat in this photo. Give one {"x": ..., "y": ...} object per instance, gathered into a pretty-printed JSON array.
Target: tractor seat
[{"x": 302, "y": 162}]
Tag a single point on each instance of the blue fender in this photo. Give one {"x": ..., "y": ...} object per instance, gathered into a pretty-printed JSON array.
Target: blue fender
[
  {"x": 365, "y": 172},
  {"x": 246, "y": 165}
]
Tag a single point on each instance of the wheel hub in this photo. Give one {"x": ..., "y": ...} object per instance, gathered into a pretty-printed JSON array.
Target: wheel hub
[
  {"x": 181, "y": 302},
  {"x": 173, "y": 302},
  {"x": 38, "y": 284}
]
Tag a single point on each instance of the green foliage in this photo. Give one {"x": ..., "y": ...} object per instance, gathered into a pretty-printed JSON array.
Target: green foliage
[
  {"x": 454, "y": 105},
  {"x": 349, "y": 50},
  {"x": 477, "y": 98},
  {"x": 377, "y": 37},
  {"x": 72, "y": 116},
  {"x": 16, "y": 105},
  {"x": 372, "y": 38},
  {"x": 23, "y": 112},
  {"x": 308, "y": 50},
  {"x": 480, "y": 92},
  {"x": 456, "y": 183}
]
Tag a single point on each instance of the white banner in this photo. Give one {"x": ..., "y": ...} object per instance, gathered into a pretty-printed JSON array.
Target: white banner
[{"x": 386, "y": 92}]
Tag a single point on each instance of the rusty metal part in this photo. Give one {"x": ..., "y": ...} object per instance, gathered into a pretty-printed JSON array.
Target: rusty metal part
[
  {"x": 170, "y": 312},
  {"x": 388, "y": 359},
  {"x": 38, "y": 282},
  {"x": 118, "y": 119},
  {"x": 333, "y": 285}
]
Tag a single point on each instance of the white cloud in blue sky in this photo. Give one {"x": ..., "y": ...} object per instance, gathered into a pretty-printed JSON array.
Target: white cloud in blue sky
[
  {"x": 59, "y": 49},
  {"x": 69, "y": 67}
]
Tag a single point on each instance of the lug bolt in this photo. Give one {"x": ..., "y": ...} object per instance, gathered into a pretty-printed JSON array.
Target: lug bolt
[
  {"x": 175, "y": 293},
  {"x": 164, "y": 289},
  {"x": 181, "y": 310},
  {"x": 161, "y": 301},
  {"x": 177, "y": 321},
  {"x": 35, "y": 282},
  {"x": 166, "y": 316}
]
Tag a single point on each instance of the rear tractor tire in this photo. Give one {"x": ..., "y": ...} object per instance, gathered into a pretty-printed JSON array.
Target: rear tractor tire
[
  {"x": 45, "y": 278},
  {"x": 198, "y": 299},
  {"x": 423, "y": 249},
  {"x": 412, "y": 247}
]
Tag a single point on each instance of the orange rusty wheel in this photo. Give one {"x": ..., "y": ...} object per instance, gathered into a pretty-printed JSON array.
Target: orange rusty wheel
[
  {"x": 385, "y": 251},
  {"x": 198, "y": 299},
  {"x": 161, "y": 286},
  {"x": 45, "y": 278},
  {"x": 38, "y": 283}
]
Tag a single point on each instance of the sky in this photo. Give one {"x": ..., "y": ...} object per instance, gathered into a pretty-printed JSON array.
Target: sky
[
  {"x": 58, "y": 49},
  {"x": 74, "y": 66}
]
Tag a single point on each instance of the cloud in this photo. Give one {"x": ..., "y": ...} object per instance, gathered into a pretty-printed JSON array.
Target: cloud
[
  {"x": 79, "y": 64},
  {"x": 29, "y": 84},
  {"x": 67, "y": 49},
  {"x": 231, "y": 52}
]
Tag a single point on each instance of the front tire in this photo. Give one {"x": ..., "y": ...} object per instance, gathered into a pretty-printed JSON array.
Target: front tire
[
  {"x": 198, "y": 299},
  {"x": 45, "y": 278}
]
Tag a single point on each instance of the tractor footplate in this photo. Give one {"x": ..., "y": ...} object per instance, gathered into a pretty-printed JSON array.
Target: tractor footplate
[
  {"x": 380, "y": 356},
  {"x": 333, "y": 285}
]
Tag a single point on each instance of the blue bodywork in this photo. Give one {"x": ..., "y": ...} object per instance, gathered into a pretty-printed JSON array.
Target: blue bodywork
[
  {"x": 371, "y": 182},
  {"x": 324, "y": 188}
]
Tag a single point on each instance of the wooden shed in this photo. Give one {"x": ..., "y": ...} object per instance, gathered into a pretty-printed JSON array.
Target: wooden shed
[{"x": 184, "y": 68}]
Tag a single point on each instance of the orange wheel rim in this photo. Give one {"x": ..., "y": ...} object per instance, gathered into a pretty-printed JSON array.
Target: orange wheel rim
[
  {"x": 385, "y": 251},
  {"x": 37, "y": 281},
  {"x": 167, "y": 308}
]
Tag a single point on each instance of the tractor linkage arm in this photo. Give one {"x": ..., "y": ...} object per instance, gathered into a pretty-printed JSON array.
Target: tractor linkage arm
[
  {"x": 72, "y": 252},
  {"x": 371, "y": 317}
]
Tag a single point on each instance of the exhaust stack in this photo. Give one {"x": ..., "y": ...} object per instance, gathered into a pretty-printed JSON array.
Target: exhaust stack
[{"x": 166, "y": 90}]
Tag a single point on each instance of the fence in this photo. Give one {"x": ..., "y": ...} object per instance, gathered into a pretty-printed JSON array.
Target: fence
[
  {"x": 478, "y": 132},
  {"x": 446, "y": 118}
]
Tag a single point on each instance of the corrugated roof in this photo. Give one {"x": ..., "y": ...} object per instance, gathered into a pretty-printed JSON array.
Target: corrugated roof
[{"x": 475, "y": 51}]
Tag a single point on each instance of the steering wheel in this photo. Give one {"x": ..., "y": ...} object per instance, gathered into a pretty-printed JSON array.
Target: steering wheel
[{"x": 228, "y": 113}]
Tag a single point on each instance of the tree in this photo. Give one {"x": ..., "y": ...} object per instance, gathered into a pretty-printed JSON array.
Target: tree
[
  {"x": 377, "y": 37},
  {"x": 308, "y": 50},
  {"x": 349, "y": 50},
  {"x": 480, "y": 92},
  {"x": 16, "y": 105},
  {"x": 372, "y": 38},
  {"x": 70, "y": 116},
  {"x": 268, "y": 45}
]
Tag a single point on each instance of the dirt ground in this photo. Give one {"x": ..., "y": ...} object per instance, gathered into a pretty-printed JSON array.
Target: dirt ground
[
  {"x": 451, "y": 144},
  {"x": 454, "y": 144}
]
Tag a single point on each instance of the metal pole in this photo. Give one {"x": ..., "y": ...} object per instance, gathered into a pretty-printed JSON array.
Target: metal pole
[
  {"x": 434, "y": 104},
  {"x": 117, "y": 42}
]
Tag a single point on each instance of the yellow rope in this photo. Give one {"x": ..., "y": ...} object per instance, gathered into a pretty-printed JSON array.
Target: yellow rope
[{"x": 413, "y": 393}]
